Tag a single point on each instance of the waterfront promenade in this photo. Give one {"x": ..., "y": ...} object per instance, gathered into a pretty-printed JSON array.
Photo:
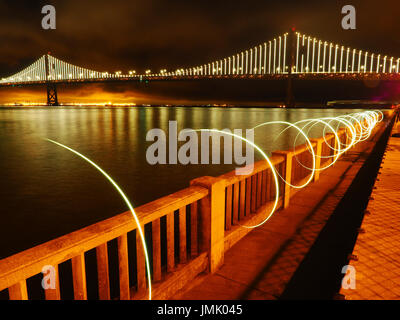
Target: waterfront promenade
[
  {"x": 261, "y": 264},
  {"x": 198, "y": 248},
  {"x": 376, "y": 255}
]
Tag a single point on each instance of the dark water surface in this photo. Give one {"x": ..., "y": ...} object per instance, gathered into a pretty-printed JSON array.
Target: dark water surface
[{"x": 47, "y": 191}]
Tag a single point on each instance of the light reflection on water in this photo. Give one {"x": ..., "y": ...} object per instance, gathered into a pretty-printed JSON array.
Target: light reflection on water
[{"x": 46, "y": 191}]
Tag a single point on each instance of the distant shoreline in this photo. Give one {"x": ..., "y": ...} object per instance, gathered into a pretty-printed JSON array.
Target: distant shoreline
[{"x": 299, "y": 106}]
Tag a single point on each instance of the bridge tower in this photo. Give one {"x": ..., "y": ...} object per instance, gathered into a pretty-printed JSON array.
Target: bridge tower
[
  {"x": 290, "y": 102},
  {"x": 52, "y": 99}
]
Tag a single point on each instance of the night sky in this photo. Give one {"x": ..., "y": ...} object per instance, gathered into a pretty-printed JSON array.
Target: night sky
[{"x": 152, "y": 34}]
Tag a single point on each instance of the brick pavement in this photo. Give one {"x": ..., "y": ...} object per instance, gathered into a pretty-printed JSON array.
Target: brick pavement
[{"x": 377, "y": 250}]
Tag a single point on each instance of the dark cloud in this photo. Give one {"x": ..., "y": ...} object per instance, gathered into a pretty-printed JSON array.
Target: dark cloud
[{"x": 170, "y": 33}]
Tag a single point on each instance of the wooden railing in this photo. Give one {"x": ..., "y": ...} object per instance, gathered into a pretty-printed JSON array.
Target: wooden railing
[
  {"x": 179, "y": 209},
  {"x": 245, "y": 194},
  {"x": 187, "y": 232}
]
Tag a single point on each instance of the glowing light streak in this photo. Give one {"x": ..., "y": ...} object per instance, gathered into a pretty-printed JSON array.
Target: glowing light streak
[
  {"x": 284, "y": 52},
  {"x": 274, "y": 56},
  {"x": 265, "y": 57},
  {"x": 384, "y": 64},
  {"x": 319, "y": 54},
  {"x": 308, "y": 142},
  {"x": 297, "y": 53},
  {"x": 372, "y": 63},
  {"x": 336, "y": 54},
  {"x": 269, "y": 57},
  {"x": 251, "y": 61},
  {"x": 377, "y": 64},
  {"x": 247, "y": 62},
  {"x": 255, "y": 60},
  {"x": 274, "y": 173},
  {"x": 279, "y": 57},
  {"x": 308, "y": 55},
  {"x": 313, "y": 55},
  {"x": 125, "y": 198}
]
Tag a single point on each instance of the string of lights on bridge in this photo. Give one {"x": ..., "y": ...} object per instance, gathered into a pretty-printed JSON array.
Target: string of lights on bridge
[{"x": 312, "y": 56}]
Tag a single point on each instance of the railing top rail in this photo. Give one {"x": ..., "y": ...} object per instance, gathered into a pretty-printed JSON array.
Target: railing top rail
[
  {"x": 30, "y": 262},
  {"x": 158, "y": 208},
  {"x": 298, "y": 149}
]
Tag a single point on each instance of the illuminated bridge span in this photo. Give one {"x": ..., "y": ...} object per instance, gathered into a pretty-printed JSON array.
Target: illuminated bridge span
[{"x": 289, "y": 56}]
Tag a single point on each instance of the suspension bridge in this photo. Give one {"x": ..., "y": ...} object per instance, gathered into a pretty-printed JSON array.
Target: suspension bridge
[{"x": 292, "y": 55}]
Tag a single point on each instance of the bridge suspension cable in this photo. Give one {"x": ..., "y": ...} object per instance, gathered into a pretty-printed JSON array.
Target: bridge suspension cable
[
  {"x": 35, "y": 72},
  {"x": 51, "y": 69},
  {"x": 312, "y": 56},
  {"x": 265, "y": 58},
  {"x": 273, "y": 57},
  {"x": 327, "y": 57}
]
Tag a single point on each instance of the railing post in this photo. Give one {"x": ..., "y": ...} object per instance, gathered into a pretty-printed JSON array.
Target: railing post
[
  {"x": 54, "y": 294},
  {"x": 212, "y": 220},
  {"x": 339, "y": 133},
  {"x": 345, "y": 139},
  {"x": 332, "y": 148},
  {"x": 287, "y": 175},
  {"x": 103, "y": 275},
  {"x": 318, "y": 155},
  {"x": 79, "y": 277},
  {"x": 18, "y": 291}
]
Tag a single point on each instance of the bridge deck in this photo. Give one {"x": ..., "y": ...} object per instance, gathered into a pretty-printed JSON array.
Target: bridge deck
[
  {"x": 278, "y": 76},
  {"x": 378, "y": 249}
]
